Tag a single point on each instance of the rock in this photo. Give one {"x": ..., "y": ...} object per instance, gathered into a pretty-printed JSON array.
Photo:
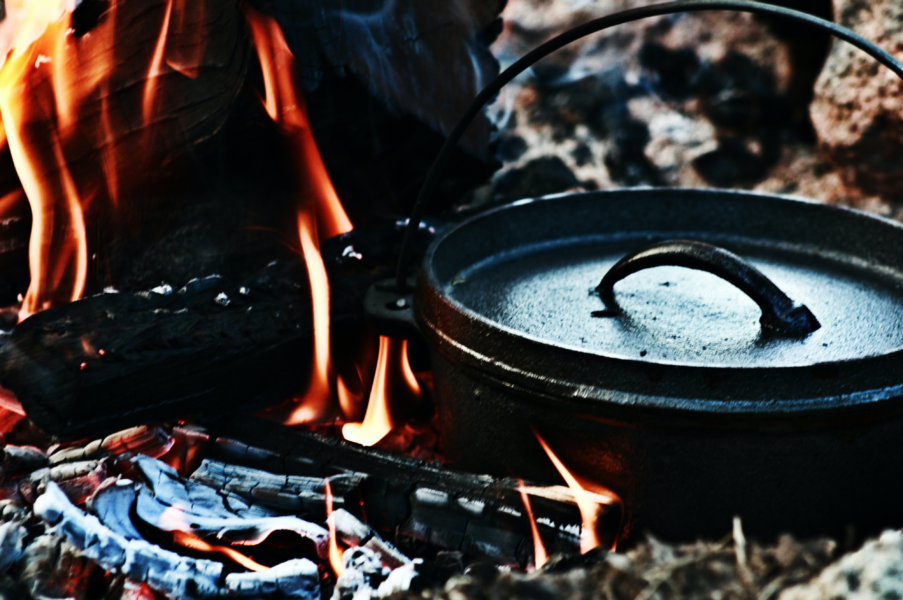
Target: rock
[
  {"x": 539, "y": 177},
  {"x": 857, "y": 111},
  {"x": 875, "y": 571}
]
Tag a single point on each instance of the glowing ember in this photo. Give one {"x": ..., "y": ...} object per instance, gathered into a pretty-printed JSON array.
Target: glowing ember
[
  {"x": 335, "y": 555},
  {"x": 539, "y": 550},
  {"x": 589, "y": 502},
  {"x": 286, "y": 106},
  {"x": 190, "y": 540},
  {"x": 394, "y": 377}
]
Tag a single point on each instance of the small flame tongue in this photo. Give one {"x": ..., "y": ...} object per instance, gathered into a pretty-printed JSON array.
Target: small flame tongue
[
  {"x": 195, "y": 543},
  {"x": 183, "y": 536},
  {"x": 589, "y": 502},
  {"x": 335, "y": 555},
  {"x": 539, "y": 550},
  {"x": 394, "y": 378},
  {"x": 285, "y": 105}
]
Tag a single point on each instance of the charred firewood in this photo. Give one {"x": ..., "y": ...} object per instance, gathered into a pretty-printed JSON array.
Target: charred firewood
[
  {"x": 116, "y": 360},
  {"x": 302, "y": 496},
  {"x": 419, "y": 503},
  {"x": 122, "y": 359}
]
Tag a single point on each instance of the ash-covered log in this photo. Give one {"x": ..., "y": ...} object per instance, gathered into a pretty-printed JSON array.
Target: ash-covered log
[{"x": 422, "y": 504}]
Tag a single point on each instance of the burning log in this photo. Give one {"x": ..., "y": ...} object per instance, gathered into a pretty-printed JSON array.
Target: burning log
[
  {"x": 211, "y": 346},
  {"x": 175, "y": 576},
  {"x": 418, "y": 502}
]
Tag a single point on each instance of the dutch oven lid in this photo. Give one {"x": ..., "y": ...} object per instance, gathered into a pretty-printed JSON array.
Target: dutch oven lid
[
  {"x": 546, "y": 286},
  {"x": 520, "y": 286}
]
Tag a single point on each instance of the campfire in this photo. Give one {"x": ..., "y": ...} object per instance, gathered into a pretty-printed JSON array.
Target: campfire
[{"x": 233, "y": 364}]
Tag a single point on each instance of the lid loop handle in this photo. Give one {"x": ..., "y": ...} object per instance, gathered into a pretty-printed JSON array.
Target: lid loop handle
[{"x": 780, "y": 314}]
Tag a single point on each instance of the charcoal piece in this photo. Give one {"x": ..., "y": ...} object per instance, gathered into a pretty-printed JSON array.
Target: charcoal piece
[
  {"x": 675, "y": 70},
  {"x": 301, "y": 496},
  {"x": 511, "y": 148},
  {"x": 407, "y": 53},
  {"x": 411, "y": 499},
  {"x": 626, "y": 158}
]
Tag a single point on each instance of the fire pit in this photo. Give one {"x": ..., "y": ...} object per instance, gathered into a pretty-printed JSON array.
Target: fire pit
[{"x": 214, "y": 387}]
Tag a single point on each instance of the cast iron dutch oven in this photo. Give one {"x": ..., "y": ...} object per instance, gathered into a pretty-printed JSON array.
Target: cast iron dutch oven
[{"x": 702, "y": 353}]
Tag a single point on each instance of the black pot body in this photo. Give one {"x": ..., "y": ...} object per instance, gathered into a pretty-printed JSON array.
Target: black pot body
[
  {"x": 781, "y": 448},
  {"x": 682, "y": 478}
]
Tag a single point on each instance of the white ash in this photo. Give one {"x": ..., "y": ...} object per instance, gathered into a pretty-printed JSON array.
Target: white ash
[
  {"x": 235, "y": 530},
  {"x": 364, "y": 573},
  {"x": 354, "y": 532},
  {"x": 201, "y": 510},
  {"x": 176, "y": 576},
  {"x": 166, "y": 485},
  {"x": 874, "y": 571},
  {"x": 400, "y": 580},
  {"x": 298, "y": 578},
  {"x": 12, "y": 536},
  {"x": 112, "y": 504}
]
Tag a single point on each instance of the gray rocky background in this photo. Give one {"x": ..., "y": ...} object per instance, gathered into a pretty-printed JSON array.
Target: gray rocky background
[{"x": 710, "y": 99}]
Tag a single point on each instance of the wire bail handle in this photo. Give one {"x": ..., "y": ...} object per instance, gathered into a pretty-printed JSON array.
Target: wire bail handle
[{"x": 580, "y": 31}]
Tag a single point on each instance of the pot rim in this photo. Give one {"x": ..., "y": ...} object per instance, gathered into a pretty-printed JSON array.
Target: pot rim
[{"x": 431, "y": 299}]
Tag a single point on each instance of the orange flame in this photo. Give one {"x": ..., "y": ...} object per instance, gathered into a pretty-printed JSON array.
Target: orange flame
[
  {"x": 65, "y": 100},
  {"x": 335, "y": 555},
  {"x": 589, "y": 503},
  {"x": 58, "y": 232},
  {"x": 539, "y": 550},
  {"x": 190, "y": 540},
  {"x": 173, "y": 517},
  {"x": 286, "y": 106},
  {"x": 316, "y": 405},
  {"x": 393, "y": 376},
  {"x": 150, "y": 85}
]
